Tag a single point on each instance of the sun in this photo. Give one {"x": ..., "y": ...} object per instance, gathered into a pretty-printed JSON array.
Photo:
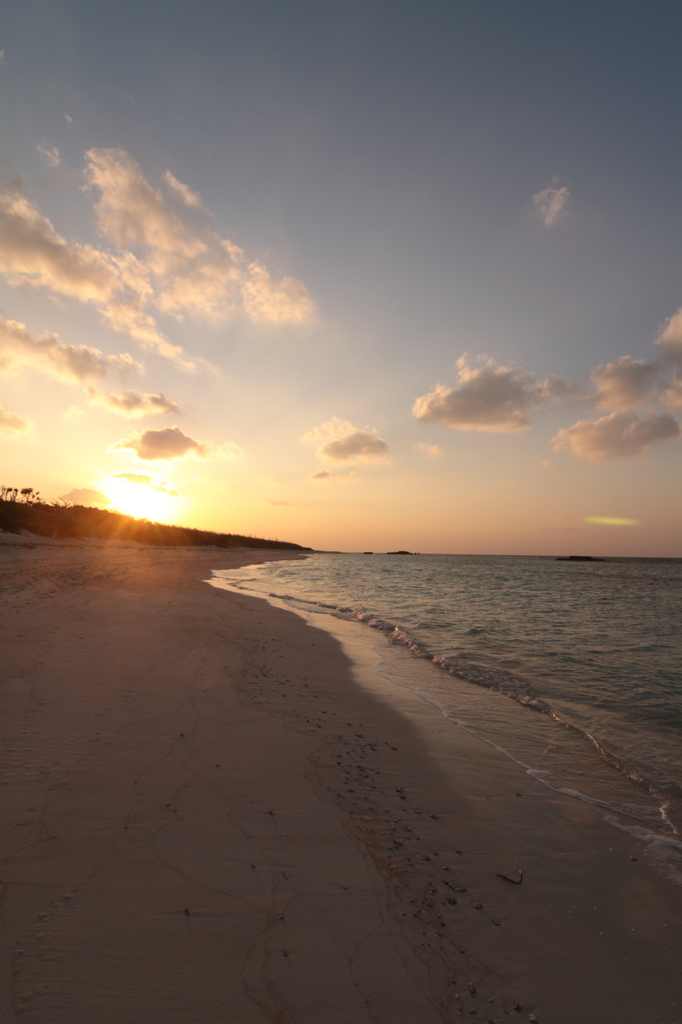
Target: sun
[{"x": 142, "y": 501}]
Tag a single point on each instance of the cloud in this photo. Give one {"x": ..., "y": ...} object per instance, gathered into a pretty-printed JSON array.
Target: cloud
[
  {"x": 132, "y": 403},
  {"x": 269, "y": 501},
  {"x": 625, "y": 382},
  {"x": 86, "y": 496},
  {"x": 547, "y": 464},
  {"x": 132, "y": 213},
  {"x": 142, "y": 480},
  {"x": 431, "y": 450},
  {"x": 672, "y": 392},
  {"x": 49, "y": 155},
  {"x": 344, "y": 442},
  {"x": 274, "y": 303},
  {"x": 620, "y": 435},
  {"x": 185, "y": 193},
  {"x": 325, "y": 474},
  {"x": 75, "y": 363},
  {"x": 33, "y": 253},
  {"x": 670, "y": 338},
  {"x": 194, "y": 273},
  {"x": 12, "y": 423},
  {"x": 169, "y": 443},
  {"x": 550, "y": 203},
  {"x": 491, "y": 397},
  {"x": 178, "y": 270},
  {"x": 228, "y": 450}
]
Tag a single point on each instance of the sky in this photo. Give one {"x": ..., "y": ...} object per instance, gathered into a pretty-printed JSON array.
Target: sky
[{"x": 361, "y": 275}]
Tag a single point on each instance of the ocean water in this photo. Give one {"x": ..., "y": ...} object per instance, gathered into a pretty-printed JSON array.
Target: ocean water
[{"x": 572, "y": 669}]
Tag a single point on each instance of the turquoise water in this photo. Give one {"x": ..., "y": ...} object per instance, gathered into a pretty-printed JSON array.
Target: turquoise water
[{"x": 571, "y": 669}]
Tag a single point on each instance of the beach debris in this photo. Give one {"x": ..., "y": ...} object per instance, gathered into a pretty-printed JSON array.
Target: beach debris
[
  {"x": 633, "y": 858},
  {"x": 285, "y": 952},
  {"x": 532, "y": 1018},
  {"x": 187, "y": 911},
  {"x": 478, "y": 906},
  {"x": 452, "y": 901},
  {"x": 514, "y": 881},
  {"x": 472, "y": 988},
  {"x": 434, "y": 816},
  {"x": 516, "y": 1006}
]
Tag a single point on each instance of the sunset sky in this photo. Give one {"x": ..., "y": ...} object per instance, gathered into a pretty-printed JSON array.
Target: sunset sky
[{"x": 359, "y": 274}]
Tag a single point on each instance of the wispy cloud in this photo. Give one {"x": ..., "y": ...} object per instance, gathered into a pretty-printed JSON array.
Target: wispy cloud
[
  {"x": 49, "y": 155},
  {"x": 132, "y": 403},
  {"x": 344, "y": 442},
  {"x": 430, "y": 450},
  {"x": 142, "y": 480},
  {"x": 550, "y": 203},
  {"x": 12, "y": 423},
  {"x": 178, "y": 270},
  {"x": 74, "y": 363},
  {"x": 620, "y": 435}
]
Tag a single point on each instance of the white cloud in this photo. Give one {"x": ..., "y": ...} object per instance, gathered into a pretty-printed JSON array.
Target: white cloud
[
  {"x": 198, "y": 274},
  {"x": 132, "y": 213},
  {"x": 625, "y": 382},
  {"x": 86, "y": 496},
  {"x": 75, "y": 363},
  {"x": 32, "y": 252},
  {"x": 49, "y": 155},
  {"x": 185, "y": 193},
  {"x": 274, "y": 303},
  {"x": 344, "y": 442},
  {"x": 670, "y": 338},
  {"x": 490, "y": 397},
  {"x": 178, "y": 271},
  {"x": 430, "y": 450},
  {"x": 12, "y": 423},
  {"x": 550, "y": 203},
  {"x": 142, "y": 480},
  {"x": 132, "y": 403},
  {"x": 620, "y": 435},
  {"x": 169, "y": 443}
]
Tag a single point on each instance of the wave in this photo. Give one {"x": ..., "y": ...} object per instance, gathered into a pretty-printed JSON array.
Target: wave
[{"x": 507, "y": 684}]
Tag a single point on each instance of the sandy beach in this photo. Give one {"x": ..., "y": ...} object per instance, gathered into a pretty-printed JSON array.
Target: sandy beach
[{"x": 210, "y": 814}]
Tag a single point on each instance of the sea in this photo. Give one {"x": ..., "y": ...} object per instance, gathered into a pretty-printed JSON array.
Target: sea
[{"x": 572, "y": 670}]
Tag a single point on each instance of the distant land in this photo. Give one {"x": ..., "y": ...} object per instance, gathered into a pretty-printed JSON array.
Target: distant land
[{"x": 82, "y": 522}]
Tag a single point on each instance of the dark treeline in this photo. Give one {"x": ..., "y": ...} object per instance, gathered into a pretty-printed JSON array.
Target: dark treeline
[{"x": 24, "y": 510}]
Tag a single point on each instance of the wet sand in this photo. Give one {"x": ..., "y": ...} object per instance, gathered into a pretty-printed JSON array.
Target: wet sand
[{"x": 211, "y": 814}]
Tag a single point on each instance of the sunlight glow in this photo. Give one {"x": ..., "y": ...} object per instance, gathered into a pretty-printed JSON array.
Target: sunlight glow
[{"x": 142, "y": 501}]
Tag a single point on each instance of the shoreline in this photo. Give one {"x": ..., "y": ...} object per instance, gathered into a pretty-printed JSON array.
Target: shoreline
[{"x": 214, "y": 814}]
